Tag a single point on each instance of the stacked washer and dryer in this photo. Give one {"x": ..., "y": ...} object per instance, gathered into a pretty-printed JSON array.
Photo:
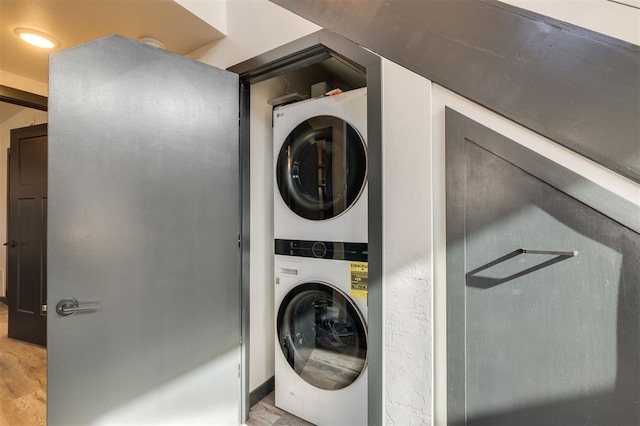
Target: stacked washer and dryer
[{"x": 320, "y": 228}]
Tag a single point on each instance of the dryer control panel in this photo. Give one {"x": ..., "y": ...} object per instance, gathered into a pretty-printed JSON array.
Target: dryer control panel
[{"x": 322, "y": 249}]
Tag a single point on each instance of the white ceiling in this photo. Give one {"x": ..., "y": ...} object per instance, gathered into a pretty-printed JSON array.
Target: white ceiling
[{"x": 74, "y": 22}]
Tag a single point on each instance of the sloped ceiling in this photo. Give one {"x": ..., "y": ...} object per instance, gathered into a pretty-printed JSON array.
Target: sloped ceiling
[
  {"x": 574, "y": 86},
  {"x": 74, "y": 22}
]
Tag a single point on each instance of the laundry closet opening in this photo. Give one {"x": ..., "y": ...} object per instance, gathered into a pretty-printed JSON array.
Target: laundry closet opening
[{"x": 310, "y": 153}]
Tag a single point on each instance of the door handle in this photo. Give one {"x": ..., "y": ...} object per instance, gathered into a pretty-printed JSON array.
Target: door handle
[
  {"x": 12, "y": 244},
  {"x": 67, "y": 307}
]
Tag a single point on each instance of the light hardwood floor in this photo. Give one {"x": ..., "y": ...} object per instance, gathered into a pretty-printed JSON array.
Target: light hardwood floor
[
  {"x": 264, "y": 413},
  {"x": 23, "y": 387},
  {"x": 23, "y": 379}
]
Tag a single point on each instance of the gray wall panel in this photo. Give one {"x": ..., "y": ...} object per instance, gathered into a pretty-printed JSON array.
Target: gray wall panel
[
  {"x": 536, "y": 338},
  {"x": 574, "y": 86}
]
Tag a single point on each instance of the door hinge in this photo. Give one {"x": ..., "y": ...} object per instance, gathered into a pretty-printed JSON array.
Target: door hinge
[
  {"x": 239, "y": 240},
  {"x": 238, "y": 371},
  {"x": 43, "y": 308}
]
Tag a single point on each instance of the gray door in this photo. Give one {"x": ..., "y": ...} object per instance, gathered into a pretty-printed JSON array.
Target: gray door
[
  {"x": 27, "y": 235},
  {"x": 543, "y": 292},
  {"x": 143, "y": 224}
]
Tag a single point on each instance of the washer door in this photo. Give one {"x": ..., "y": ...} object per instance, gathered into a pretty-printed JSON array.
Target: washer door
[
  {"x": 322, "y": 335},
  {"x": 322, "y": 167}
]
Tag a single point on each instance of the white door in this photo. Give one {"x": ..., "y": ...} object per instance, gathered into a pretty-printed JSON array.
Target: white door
[{"x": 144, "y": 218}]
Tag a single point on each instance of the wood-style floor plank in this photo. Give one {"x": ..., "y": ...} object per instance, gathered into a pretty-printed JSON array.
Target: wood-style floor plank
[
  {"x": 23, "y": 387},
  {"x": 23, "y": 379},
  {"x": 264, "y": 413}
]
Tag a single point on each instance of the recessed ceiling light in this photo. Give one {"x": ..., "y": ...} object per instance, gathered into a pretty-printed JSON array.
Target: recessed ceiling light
[{"x": 36, "y": 38}]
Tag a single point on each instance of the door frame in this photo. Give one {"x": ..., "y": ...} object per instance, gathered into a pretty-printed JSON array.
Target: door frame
[
  {"x": 292, "y": 56},
  {"x": 38, "y": 319},
  {"x": 22, "y": 98},
  {"x": 29, "y": 100}
]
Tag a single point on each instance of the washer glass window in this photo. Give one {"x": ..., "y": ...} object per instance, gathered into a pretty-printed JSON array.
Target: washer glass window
[
  {"x": 322, "y": 336},
  {"x": 322, "y": 167}
]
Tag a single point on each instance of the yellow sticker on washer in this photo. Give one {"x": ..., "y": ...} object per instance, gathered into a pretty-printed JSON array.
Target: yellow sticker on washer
[{"x": 359, "y": 272}]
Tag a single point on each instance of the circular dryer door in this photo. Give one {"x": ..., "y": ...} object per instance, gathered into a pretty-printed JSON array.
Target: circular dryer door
[
  {"x": 322, "y": 335},
  {"x": 322, "y": 167}
]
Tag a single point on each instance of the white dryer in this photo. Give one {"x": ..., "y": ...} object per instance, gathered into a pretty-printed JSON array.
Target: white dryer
[
  {"x": 320, "y": 157},
  {"x": 321, "y": 331}
]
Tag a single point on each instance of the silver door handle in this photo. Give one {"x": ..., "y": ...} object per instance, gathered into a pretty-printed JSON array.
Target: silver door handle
[{"x": 67, "y": 307}]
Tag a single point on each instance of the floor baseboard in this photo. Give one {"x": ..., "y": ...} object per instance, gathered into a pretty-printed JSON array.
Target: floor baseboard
[{"x": 261, "y": 391}]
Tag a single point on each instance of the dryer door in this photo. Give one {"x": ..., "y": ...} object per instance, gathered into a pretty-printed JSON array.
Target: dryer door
[
  {"x": 322, "y": 167},
  {"x": 322, "y": 335}
]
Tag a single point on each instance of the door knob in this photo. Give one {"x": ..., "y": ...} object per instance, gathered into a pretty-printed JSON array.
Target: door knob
[
  {"x": 12, "y": 244},
  {"x": 67, "y": 307}
]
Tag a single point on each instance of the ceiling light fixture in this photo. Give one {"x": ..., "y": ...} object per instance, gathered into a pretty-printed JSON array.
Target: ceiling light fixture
[
  {"x": 152, "y": 42},
  {"x": 36, "y": 38}
]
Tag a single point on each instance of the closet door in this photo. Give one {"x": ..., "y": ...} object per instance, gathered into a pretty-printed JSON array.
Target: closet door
[
  {"x": 144, "y": 218},
  {"x": 543, "y": 291}
]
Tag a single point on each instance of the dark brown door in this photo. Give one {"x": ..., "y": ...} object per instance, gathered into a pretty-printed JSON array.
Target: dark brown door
[{"x": 27, "y": 235}]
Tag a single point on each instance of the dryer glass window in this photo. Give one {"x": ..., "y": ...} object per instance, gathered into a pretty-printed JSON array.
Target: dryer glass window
[
  {"x": 322, "y": 336},
  {"x": 322, "y": 167}
]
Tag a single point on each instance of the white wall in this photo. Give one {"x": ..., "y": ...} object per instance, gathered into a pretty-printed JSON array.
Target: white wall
[
  {"x": 24, "y": 118},
  {"x": 407, "y": 270},
  {"x": 213, "y": 12},
  {"x": 253, "y": 27},
  {"x": 262, "y": 316},
  {"x": 604, "y": 16}
]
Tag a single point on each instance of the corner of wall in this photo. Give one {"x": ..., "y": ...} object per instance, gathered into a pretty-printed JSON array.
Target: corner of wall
[
  {"x": 22, "y": 83},
  {"x": 213, "y": 12},
  {"x": 253, "y": 27}
]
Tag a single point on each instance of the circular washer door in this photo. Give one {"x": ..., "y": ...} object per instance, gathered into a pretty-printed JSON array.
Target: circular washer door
[
  {"x": 322, "y": 335},
  {"x": 322, "y": 167}
]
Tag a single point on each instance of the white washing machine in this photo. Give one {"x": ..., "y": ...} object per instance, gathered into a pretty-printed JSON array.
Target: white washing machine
[
  {"x": 321, "y": 331},
  {"x": 320, "y": 157}
]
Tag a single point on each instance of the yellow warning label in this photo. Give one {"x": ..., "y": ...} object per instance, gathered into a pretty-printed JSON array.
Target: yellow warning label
[{"x": 359, "y": 272}]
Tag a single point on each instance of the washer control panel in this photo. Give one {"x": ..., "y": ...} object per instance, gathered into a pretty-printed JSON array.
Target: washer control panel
[{"x": 322, "y": 249}]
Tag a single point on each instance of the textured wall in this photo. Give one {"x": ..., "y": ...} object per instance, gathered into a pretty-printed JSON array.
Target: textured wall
[{"x": 408, "y": 291}]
